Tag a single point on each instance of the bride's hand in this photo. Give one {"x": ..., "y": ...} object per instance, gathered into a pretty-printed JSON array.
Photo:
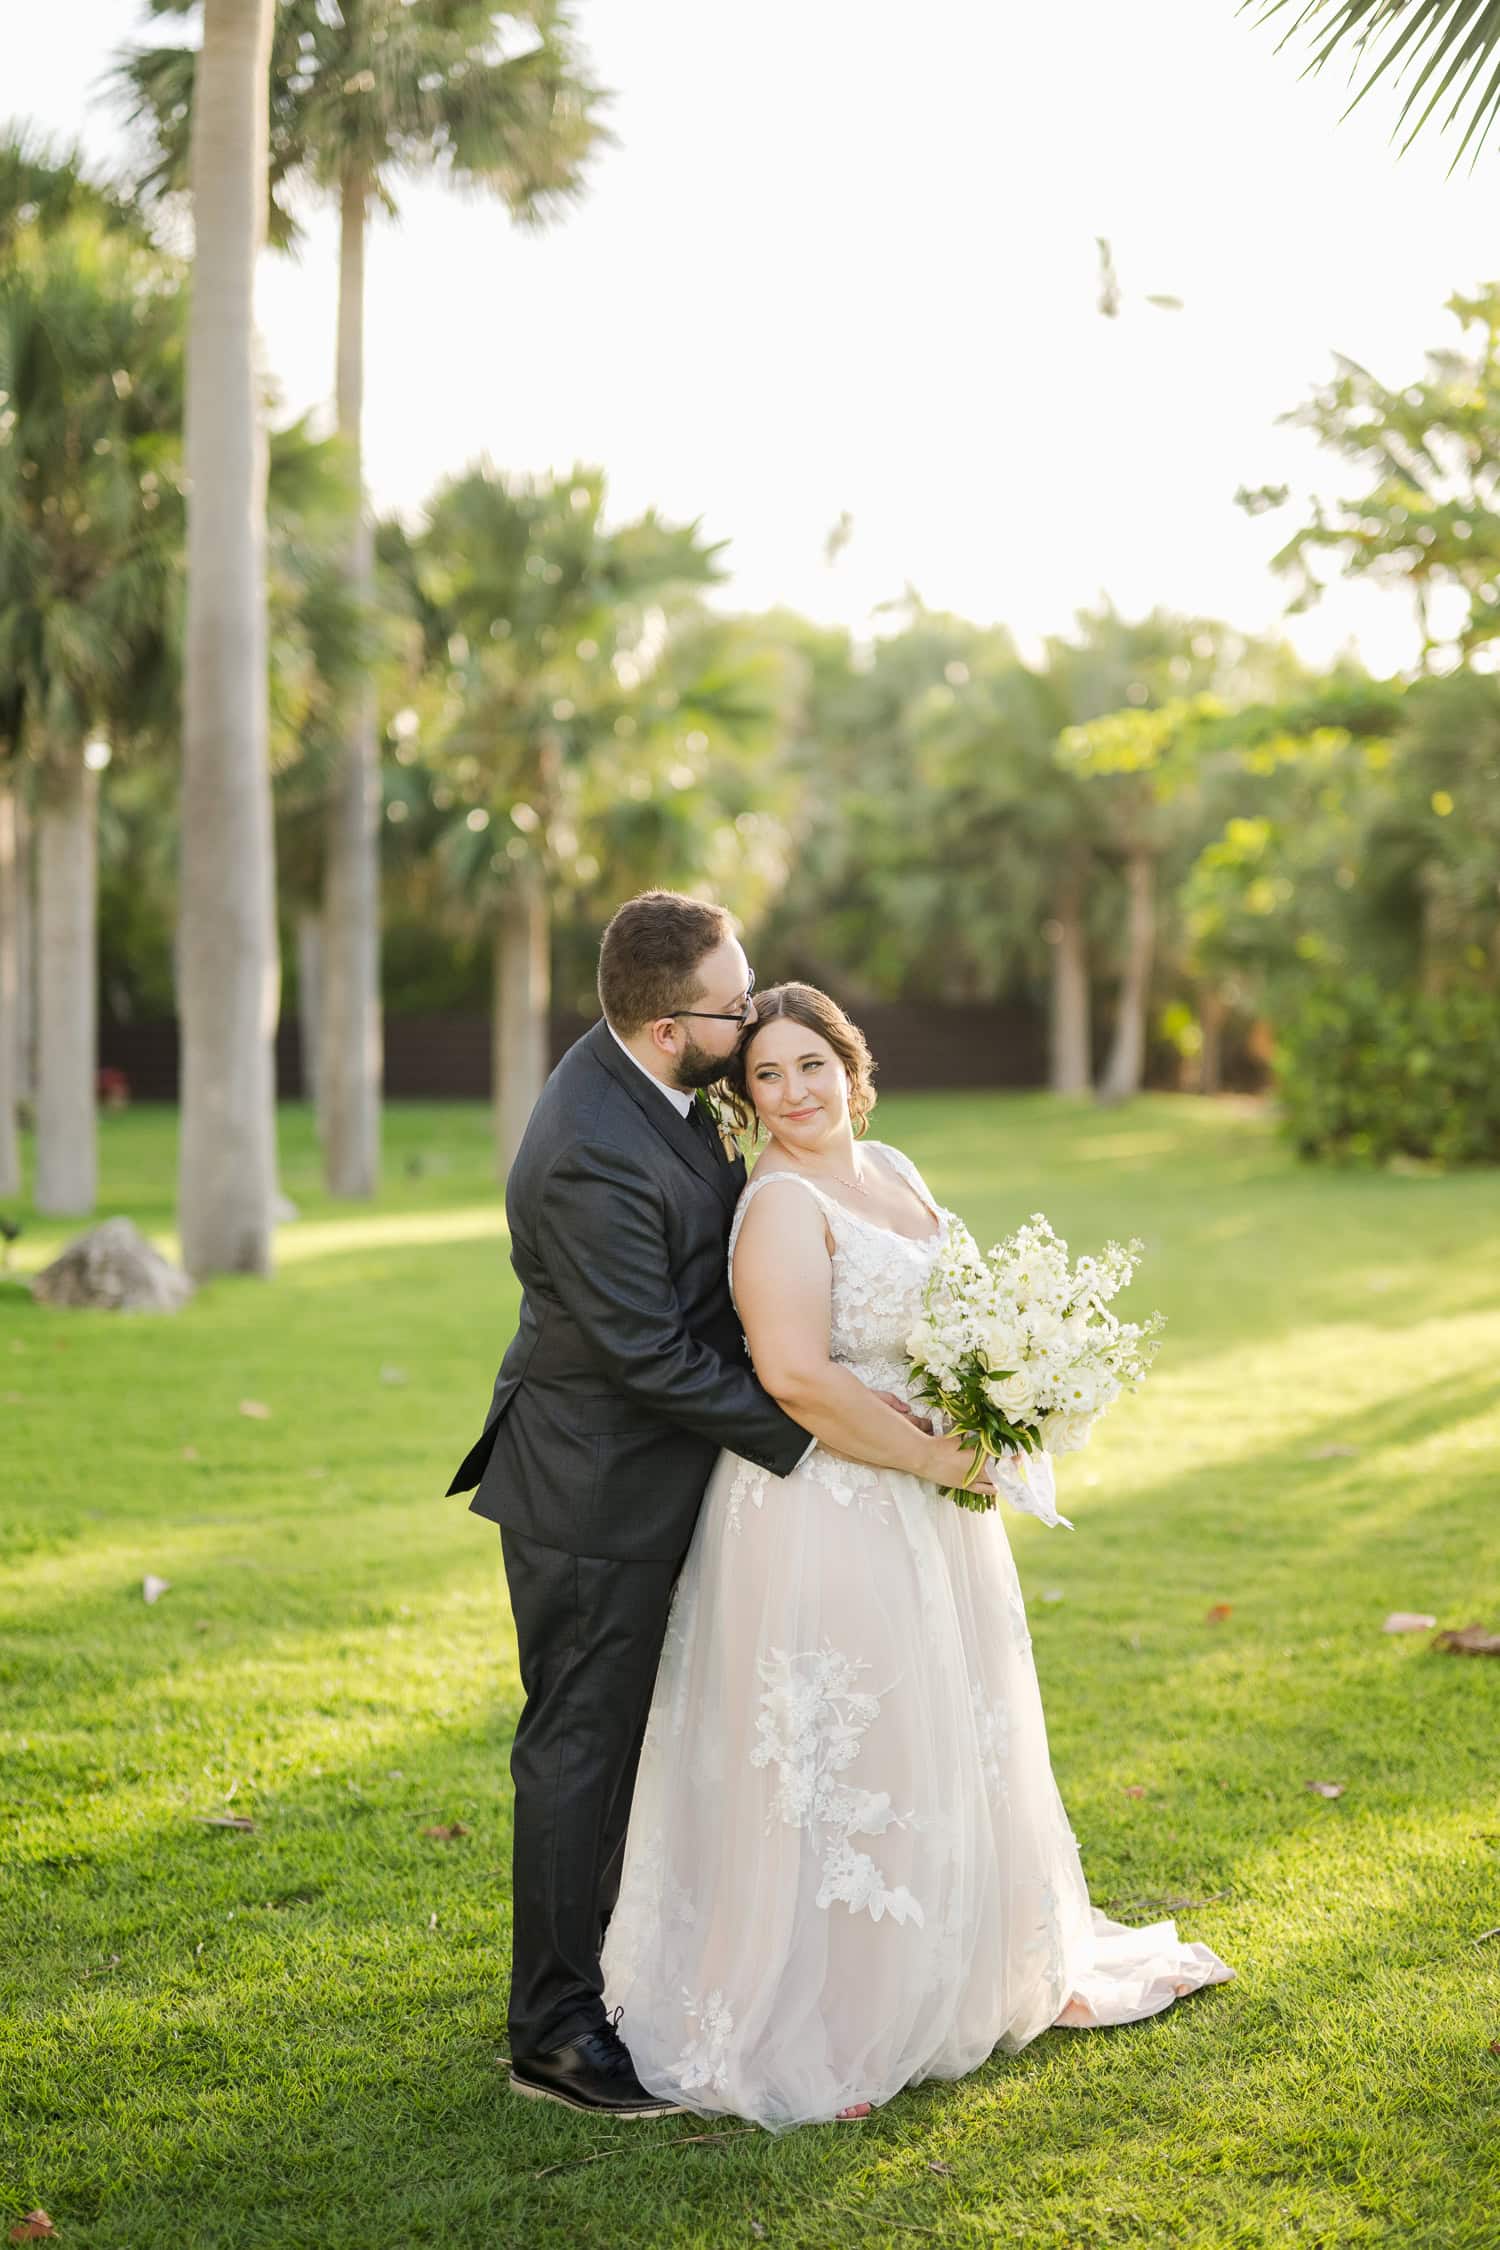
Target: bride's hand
[{"x": 952, "y": 1462}]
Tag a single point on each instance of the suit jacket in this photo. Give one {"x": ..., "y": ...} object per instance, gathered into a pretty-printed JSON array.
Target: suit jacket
[{"x": 629, "y": 1370}]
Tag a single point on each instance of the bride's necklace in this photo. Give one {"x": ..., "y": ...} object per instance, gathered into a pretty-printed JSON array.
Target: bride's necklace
[{"x": 838, "y": 1180}]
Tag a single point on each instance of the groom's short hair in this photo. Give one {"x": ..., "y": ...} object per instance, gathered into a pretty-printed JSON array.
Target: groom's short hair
[{"x": 650, "y": 953}]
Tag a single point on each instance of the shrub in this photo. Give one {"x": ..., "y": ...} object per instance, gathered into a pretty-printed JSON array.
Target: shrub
[{"x": 1367, "y": 1074}]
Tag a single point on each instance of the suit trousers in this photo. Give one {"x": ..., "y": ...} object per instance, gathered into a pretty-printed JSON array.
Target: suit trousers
[{"x": 590, "y": 1630}]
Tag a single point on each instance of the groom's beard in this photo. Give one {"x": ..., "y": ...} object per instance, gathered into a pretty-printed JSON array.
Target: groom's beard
[{"x": 697, "y": 1069}]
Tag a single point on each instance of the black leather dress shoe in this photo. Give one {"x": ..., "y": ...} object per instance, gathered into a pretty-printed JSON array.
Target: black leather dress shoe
[{"x": 593, "y": 2072}]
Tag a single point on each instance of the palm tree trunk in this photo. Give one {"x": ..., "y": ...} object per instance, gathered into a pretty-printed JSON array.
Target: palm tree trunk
[
  {"x": 10, "y": 986},
  {"x": 1439, "y": 932},
  {"x": 227, "y": 930},
  {"x": 521, "y": 999},
  {"x": 309, "y": 1008},
  {"x": 1069, "y": 1041},
  {"x": 1211, "y": 1015},
  {"x": 349, "y": 1060},
  {"x": 25, "y": 955},
  {"x": 67, "y": 1174},
  {"x": 1127, "y": 1059}
]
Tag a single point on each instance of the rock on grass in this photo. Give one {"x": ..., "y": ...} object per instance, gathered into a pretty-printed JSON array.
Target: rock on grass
[{"x": 113, "y": 1268}]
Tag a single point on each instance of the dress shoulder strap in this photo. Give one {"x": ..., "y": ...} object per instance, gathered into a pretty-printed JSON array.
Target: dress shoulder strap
[
  {"x": 768, "y": 1179},
  {"x": 902, "y": 1164}
]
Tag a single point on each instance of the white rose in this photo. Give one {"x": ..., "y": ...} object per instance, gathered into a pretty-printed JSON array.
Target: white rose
[
  {"x": 1042, "y": 1323},
  {"x": 1002, "y": 1341},
  {"x": 1066, "y": 1433},
  {"x": 1013, "y": 1395}
]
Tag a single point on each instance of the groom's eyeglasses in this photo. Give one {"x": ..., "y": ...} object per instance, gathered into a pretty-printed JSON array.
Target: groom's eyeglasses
[{"x": 741, "y": 1014}]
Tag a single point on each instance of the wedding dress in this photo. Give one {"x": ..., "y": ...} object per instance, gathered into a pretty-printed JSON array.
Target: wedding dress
[{"x": 848, "y": 1866}]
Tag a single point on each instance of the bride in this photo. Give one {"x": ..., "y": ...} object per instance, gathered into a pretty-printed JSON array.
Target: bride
[{"x": 848, "y": 1867}]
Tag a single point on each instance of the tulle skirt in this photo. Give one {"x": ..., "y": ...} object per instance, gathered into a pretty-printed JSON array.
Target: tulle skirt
[{"x": 848, "y": 1866}]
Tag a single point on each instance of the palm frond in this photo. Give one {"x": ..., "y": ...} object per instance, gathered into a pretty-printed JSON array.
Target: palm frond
[{"x": 1442, "y": 47}]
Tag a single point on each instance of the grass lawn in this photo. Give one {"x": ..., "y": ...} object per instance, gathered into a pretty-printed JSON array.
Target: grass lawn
[{"x": 290, "y": 2037}]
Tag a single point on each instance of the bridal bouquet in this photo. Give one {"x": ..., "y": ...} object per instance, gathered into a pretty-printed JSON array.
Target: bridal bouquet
[{"x": 1021, "y": 1353}]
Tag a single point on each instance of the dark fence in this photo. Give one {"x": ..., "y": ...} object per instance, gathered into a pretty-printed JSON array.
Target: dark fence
[
  {"x": 917, "y": 1048},
  {"x": 447, "y": 1057}
]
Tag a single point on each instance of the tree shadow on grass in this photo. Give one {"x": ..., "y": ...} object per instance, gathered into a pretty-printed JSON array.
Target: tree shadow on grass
[
  {"x": 334, "y": 2080},
  {"x": 1292, "y": 1517}
]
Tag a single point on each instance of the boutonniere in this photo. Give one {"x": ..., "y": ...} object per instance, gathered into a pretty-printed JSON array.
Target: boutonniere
[{"x": 728, "y": 1140}]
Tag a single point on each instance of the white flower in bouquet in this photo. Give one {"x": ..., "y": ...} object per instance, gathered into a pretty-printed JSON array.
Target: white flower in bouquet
[
  {"x": 1065, "y": 1433},
  {"x": 1013, "y": 1394},
  {"x": 1020, "y": 1353}
]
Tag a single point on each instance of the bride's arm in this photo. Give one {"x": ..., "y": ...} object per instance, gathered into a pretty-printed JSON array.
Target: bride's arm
[{"x": 783, "y": 1288}]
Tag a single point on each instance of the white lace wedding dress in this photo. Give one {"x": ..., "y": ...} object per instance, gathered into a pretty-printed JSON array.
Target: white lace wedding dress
[{"x": 848, "y": 1866}]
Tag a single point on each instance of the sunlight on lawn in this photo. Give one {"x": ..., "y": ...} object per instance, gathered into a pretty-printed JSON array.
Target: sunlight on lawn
[
  {"x": 323, "y": 1995},
  {"x": 321, "y": 1238}
]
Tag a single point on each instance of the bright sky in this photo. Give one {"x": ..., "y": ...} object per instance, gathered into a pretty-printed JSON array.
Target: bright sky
[{"x": 843, "y": 259}]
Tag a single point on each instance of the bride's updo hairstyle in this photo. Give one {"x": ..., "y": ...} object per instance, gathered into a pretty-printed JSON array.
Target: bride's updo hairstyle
[{"x": 804, "y": 1004}]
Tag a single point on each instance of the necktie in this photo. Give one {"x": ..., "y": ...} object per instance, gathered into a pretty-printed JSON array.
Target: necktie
[{"x": 707, "y": 1131}]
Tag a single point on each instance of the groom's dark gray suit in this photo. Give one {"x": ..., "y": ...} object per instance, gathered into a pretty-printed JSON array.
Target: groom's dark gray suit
[{"x": 626, "y": 1377}]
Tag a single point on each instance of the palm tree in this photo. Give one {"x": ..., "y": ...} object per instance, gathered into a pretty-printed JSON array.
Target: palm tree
[
  {"x": 364, "y": 96},
  {"x": 91, "y": 324},
  {"x": 1450, "y": 46},
  {"x": 227, "y": 961},
  {"x": 41, "y": 191},
  {"x": 12, "y": 875},
  {"x": 552, "y": 631},
  {"x": 1146, "y": 694},
  {"x": 324, "y": 644}
]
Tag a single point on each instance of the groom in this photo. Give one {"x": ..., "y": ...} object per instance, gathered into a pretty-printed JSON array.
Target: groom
[{"x": 627, "y": 1376}]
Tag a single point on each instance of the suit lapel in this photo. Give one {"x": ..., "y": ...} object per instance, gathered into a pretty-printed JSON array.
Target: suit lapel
[{"x": 662, "y": 1116}]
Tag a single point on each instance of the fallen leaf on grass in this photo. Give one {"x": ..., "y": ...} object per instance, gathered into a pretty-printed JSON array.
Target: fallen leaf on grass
[
  {"x": 152, "y": 1587},
  {"x": 1134, "y": 1789},
  {"x": 1469, "y": 1640},
  {"x": 35, "y": 2227},
  {"x": 394, "y": 1375},
  {"x": 1408, "y": 1621},
  {"x": 757, "y": 2230},
  {"x": 1334, "y": 1453},
  {"x": 1218, "y": 1613},
  {"x": 1495, "y": 1932},
  {"x": 103, "y": 1968},
  {"x": 945, "y": 2169},
  {"x": 432, "y": 1921},
  {"x": 448, "y": 1834},
  {"x": 225, "y": 1820},
  {"x": 255, "y": 1409},
  {"x": 1325, "y": 1788},
  {"x": 191, "y": 1453},
  {"x": 1495, "y": 2046},
  {"x": 1053, "y": 1594}
]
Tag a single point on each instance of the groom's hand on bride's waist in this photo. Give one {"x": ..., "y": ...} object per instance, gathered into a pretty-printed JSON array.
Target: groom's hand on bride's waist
[{"x": 903, "y": 1406}]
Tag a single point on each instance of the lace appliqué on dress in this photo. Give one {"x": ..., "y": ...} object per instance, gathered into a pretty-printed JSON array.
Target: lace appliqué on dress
[
  {"x": 704, "y": 2061},
  {"x": 851, "y": 1483},
  {"x": 812, "y": 1717},
  {"x": 992, "y": 1726},
  {"x": 749, "y": 1484}
]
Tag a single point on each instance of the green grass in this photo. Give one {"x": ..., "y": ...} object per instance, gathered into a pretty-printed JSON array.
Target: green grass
[{"x": 290, "y": 2037}]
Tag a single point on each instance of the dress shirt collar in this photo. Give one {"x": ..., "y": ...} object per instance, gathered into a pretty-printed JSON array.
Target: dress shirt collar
[{"x": 680, "y": 1101}]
